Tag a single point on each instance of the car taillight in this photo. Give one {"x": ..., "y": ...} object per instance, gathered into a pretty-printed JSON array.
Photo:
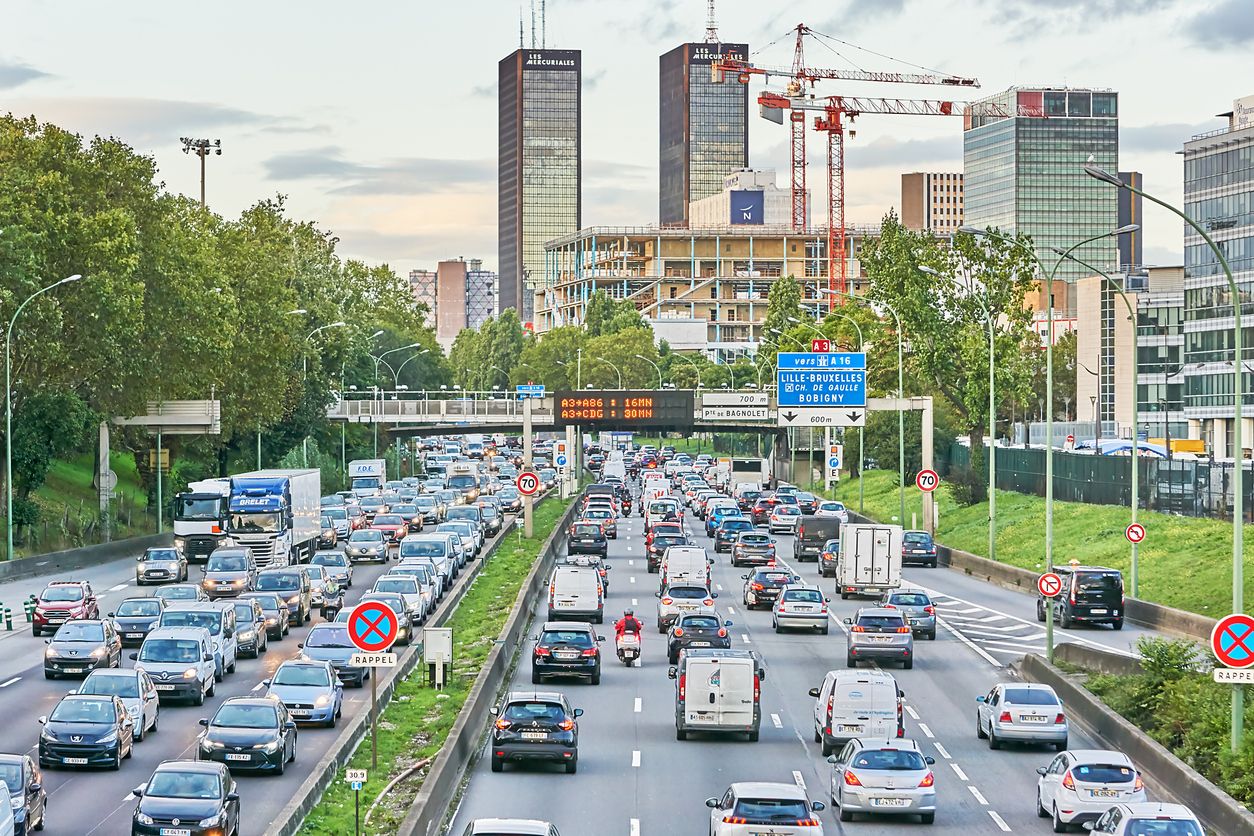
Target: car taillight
[
  {"x": 1005, "y": 717},
  {"x": 566, "y": 725},
  {"x": 722, "y": 632},
  {"x": 683, "y": 682},
  {"x": 679, "y": 631},
  {"x": 757, "y": 688},
  {"x": 928, "y": 780},
  {"x": 1060, "y": 719},
  {"x": 1138, "y": 785},
  {"x": 851, "y": 779},
  {"x": 757, "y": 587},
  {"x": 1068, "y": 781},
  {"x": 735, "y": 820},
  {"x": 709, "y": 602},
  {"x": 807, "y": 822},
  {"x": 857, "y": 628},
  {"x": 890, "y": 606},
  {"x": 668, "y": 601},
  {"x": 903, "y": 629},
  {"x": 543, "y": 651},
  {"x": 502, "y": 723},
  {"x": 591, "y": 651},
  {"x": 930, "y": 610}
]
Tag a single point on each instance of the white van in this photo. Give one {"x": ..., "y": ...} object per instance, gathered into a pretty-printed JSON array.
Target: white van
[
  {"x": 218, "y": 617},
  {"x": 575, "y": 594},
  {"x": 685, "y": 564},
  {"x": 856, "y": 703},
  {"x": 717, "y": 691}
]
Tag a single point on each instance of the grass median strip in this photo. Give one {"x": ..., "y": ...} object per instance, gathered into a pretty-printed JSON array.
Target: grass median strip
[{"x": 416, "y": 723}]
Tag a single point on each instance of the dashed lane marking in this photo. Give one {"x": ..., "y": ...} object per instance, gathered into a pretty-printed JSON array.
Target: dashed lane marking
[
  {"x": 979, "y": 796},
  {"x": 635, "y": 757},
  {"x": 9, "y": 682},
  {"x": 914, "y": 715},
  {"x": 631, "y": 563},
  {"x": 999, "y": 821},
  {"x": 958, "y": 771},
  {"x": 923, "y": 728},
  {"x": 118, "y": 588},
  {"x": 798, "y": 779},
  {"x": 639, "y": 705},
  {"x": 635, "y": 827},
  {"x": 744, "y": 637},
  {"x": 632, "y": 579},
  {"x": 943, "y": 751},
  {"x": 634, "y": 602},
  {"x": 778, "y": 723}
]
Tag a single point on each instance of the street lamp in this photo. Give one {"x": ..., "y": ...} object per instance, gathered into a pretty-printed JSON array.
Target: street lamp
[
  {"x": 8, "y": 405},
  {"x": 396, "y": 378},
  {"x": 695, "y": 366},
  {"x": 378, "y": 358},
  {"x": 656, "y": 367},
  {"x": 615, "y": 368},
  {"x": 304, "y": 373}
]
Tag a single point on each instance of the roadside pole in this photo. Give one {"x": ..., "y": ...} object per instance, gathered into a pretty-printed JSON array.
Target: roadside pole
[
  {"x": 528, "y": 526},
  {"x": 571, "y": 474},
  {"x": 374, "y": 719}
]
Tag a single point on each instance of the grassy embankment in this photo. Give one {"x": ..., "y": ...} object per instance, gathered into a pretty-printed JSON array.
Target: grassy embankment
[{"x": 417, "y": 721}]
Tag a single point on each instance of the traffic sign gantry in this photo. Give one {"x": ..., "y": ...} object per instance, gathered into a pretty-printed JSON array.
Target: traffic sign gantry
[
  {"x": 927, "y": 481},
  {"x": 528, "y": 483},
  {"x": 1135, "y": 533},
  {"x": 372, "y": 626},
  {"x": 1232, "y": 641},
  {"x": 1049, "y": 585}
]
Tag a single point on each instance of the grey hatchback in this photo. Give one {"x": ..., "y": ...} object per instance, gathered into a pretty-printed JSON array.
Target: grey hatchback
[
  {"x": 879, "y": 633},
  {"x": 919, "y": 610}
]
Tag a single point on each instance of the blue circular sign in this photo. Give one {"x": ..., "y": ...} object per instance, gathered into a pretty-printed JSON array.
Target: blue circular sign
[{"x": 833, "y": 462}]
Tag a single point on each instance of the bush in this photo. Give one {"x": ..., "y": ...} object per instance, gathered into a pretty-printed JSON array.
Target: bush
[{"x": 967, "y": 487}]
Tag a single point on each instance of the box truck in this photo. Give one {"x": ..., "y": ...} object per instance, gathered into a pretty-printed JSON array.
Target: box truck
[
  {"x": 870, "y": 559},
  {"x": 276, "y": 515},
  {"x": 366, "y": 477},
  {"x": 200, "y": 517}
]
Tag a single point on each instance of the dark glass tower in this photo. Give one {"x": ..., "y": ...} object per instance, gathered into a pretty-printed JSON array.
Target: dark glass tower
[
  {"x": 538, "y": 168},
  {"x": 702, "y": 127}
]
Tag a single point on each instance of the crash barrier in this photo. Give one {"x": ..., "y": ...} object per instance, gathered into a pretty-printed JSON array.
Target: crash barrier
[
  {"x": 1173, "y": 777},
  {"x": 54, "y": 563},
  {"x": 1097, "y": 660}
]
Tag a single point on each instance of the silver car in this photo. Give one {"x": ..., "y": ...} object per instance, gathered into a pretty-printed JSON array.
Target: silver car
[
  {"x": 879, "y": 633},
  {"x": 756, "y": 807},
  {"x": 883, "y": 777},
  {"x": 799, "y": 606},
  {"x": 1022, "y": 711},
  {"x": 681, "y": 599},
  {"x": 339, "y": 567},
  {"x": 918, "y": 607},
  {"x": 136, "y": 690},
  {"x": 320, "y": 583},
  {"x": 366, "y": 544},
  {"x": 160, "y": 565}
]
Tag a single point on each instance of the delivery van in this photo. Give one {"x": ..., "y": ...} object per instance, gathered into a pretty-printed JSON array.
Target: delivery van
[
  {"x": 576, "y": 594},
  {"x": 856, "y": 703},
  {"x": 685, "y": 564},
  {"x": 717, "y": 691}
]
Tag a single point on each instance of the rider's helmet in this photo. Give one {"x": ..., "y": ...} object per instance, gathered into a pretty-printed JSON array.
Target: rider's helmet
[{"x": 629, "y": 613}]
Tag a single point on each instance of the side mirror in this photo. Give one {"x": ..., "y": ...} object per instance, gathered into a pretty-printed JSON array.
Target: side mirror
[
  {"x": 713, "y": 594},
  {"x": 138, "y": 792},
  {"x": 832, "y": 759},
  {"x": 300, "y": 644},
  {"x": 818, "y": 806},
  {"x": 1040, "y": 770},
  {"x": 979, "y": 699},
  {"x": 111, "y": 615},
  {"x": 43, "y": 721},
  {"x": 709, "y": 561},
  {"x": 672, "y": 672},
  {"x": 814, "y": 692},
  {"x": 265, "y": 682},
  {"x": 290, "y": 724},
  {"x": 744, "y": 577},
  {"x": 930, "y": 760},
  {"x": 727, "y": 623},
  {"x": 47, "y": 641},
  {"x": 134, "y": 656},
  {"x": 712, "y": 803},
  {"x": 827, "y": 600},
  {"x": 578, "y": 712},
  {"x": 204, "y": 721},
  {"x": 849, "y": 621},
  {"x": 35, "y": 787},
  {"x": 657, "y": 594},
  {"x": 1089, "y": 825},
  {"x": 600, "y": 638},
  {"x": 494, "y": 710},
  {"x": 208, "y": 657},
  {"x": 232, "y": 796}
]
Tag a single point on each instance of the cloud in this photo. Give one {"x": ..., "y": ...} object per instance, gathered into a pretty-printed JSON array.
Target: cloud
[
  {"x": 484, "y": 91},
  {"x": 1160, "y": 137},
  {"x": 886, "y": 151},
  {"x": 1226, "y": 23},
  {"x": 399, "y": 176},
  {"x": 1029, "y": 18},
  {"x": 592, "y": 79},
  {"x": 855, "y": 15},
  {"x": 15, "y": 75}
]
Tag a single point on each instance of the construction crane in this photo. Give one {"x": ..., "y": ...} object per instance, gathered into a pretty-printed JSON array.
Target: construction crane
[{"x": 836, "y": 114}]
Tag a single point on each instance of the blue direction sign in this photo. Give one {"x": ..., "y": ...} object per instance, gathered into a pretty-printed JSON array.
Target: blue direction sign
[
  {"x": 821, "y": 360},
  {"x": 530, "y": 390},
  {"x": 822, "y": 380}
]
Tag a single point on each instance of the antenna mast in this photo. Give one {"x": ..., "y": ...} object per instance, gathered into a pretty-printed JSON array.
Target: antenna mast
[
  {"x": 711, "y": 25},
  {"x": 533, "y": 24},
  {"x": 521, "y": 43},
  {"x": 543, "y": 26}
]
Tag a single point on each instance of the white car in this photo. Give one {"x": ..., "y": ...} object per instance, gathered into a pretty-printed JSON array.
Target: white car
[
  {"x": 1155, "y": 819},
  {"x": 1080, "y": 785},
  {"x": 417, "y": 601},
  {"x": 136, "y": 690},
  {"x": 510, "y": 827},
  {"x": 751, "y": 808},
  {"x": 784, "y": 519},
  {"x": 832, "y": 508}
]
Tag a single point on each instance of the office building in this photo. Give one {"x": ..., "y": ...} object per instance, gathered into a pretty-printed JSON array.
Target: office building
[
  {"x": 465, "y": 297},
  {"x": 932, "y": 201},
  {"x": 747, "y": 198},
  {"x": 1024, "y": 150},
  {"x": 1219, "y": 195},
  {"x": 1131, "y": 246},
  {"x": 702, "y": 126},
  {"x": 481, "y": 292},
  {"x": 422, "y": 285},
  {"x": 539, "y": 173}
]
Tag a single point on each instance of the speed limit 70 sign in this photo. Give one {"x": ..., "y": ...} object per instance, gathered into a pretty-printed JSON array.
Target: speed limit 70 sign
[
  {"x": 528, "y": 483},
  {"x": 927, "y": 481}
]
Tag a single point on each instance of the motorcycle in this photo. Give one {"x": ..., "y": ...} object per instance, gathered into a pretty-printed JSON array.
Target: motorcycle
[
  {"x": 626, "y": 507},
  {"x": 628, "y": 646}
]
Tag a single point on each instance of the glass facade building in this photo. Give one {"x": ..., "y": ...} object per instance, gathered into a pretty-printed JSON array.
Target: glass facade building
[
  {"x": 1024, "y": 152},
  {"x": 702, "y": 127},
  {"x": 539, "y": 166}
]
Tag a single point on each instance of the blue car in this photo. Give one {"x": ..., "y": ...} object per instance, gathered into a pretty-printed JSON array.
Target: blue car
[
  {"x": 717, "y": 515},
  {"x": 310, "y": 690}
]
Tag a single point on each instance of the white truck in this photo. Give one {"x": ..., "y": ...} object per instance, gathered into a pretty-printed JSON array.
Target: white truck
[
  {"x": 366, "y": 477},
  {"x": 870, "y": 559},
  {"x": 200, "y": 517},
  {"x": 751, "y": 470},
  {"x": 464, "y": 477},
  {"x": 276, "y": 514}
]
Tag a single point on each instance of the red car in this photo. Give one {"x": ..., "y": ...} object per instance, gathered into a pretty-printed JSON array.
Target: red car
[
  {"x": 762, "y": 509},
  {"x": 61, "y": 601},
  {"x": 393, "y": 526}
]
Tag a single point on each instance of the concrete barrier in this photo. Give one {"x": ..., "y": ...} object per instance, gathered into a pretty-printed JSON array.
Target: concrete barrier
[
  {"x": 1097, "y": 661},
  {"x": 438, "y": 790},
  {"x": 1172, "y": 777},
  {"x": 353, "y": 732},
  {"x": 54, "y": 563}
]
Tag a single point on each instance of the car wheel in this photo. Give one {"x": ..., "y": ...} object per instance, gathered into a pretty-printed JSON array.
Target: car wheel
[
  {"x": 818, "y": 737},
  {"x": 1040, "y": 610},
  {"x": 1041, "y": 812},
  {"x": 1059, "y": 825},
  {"x": 199, "y": 699},
  {"x": 572, "y": 766},
  {"x": 36, "y": 631},
  {"x": 218, "y": 674},
  {"x": 851, "y": 662},
  {"x": 931, "y": 636},
  {"x": 497, "y": 764},
  {"x": 282, "y": 765},
  {"x": 596, "y": 677},
  {"x": 1117, "y": 624},
  {"x": 155, "y": 720},
  {"x": 117, "y": 759},
  {"x": 979, "y": 729},
  {"x": 213, "y": 688},
  {"x": 908, "y": 664},
  {"x": 536, "y": 679},
  {"x": 234, "y": 662},
  {"x": 49, "y": 675},
  {"x": 130, "y": 750},
  {"x": 1064, "y": 618},
  {"x": 1061, "y": 747},
  {"x": 681, "y": 734},
  {"x": 824, "y": 629},
  {"x": 828, "y": 748},
  {"x": 927, "y": 818},
  {"x": 139, "y": 735},
  {"x": 993, "y": 742},
  {"x": 845, "y": 815}
]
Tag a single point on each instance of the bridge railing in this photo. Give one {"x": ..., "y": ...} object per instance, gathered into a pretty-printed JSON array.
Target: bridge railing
[{"x": 435, "y": 407}]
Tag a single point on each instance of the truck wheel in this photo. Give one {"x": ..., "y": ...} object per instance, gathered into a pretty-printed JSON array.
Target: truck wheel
[
  {"x": 680, "y": 734},
  {"x": 753, "y": 736}
]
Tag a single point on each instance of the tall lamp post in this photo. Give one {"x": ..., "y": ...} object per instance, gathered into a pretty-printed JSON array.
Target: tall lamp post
[
  {"x": 304, "y": 373},
  {"x": 655, "y": 366},
  {"x": 1238, "y": 393},
  {"x": 8, "y": 405},
  {"x": 695, "y": 367},
  {"x": 378, "y": 358},
  {"x": 615, "y": 368}
]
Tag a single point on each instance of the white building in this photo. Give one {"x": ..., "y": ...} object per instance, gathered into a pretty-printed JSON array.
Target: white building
[{"x": 749, "y": 198}]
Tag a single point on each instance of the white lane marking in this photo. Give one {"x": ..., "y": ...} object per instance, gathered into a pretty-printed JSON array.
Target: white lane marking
[
  {"x": 719, "y": 586},
  {"x": 978, "y": 796},
  {"x": 979, "y": 650},
  {"x": 991, "y": 619},
  {"x": 914, "y": 715},
  {"x": 731, "y": 610},
  {"x": 639, "y": 705},
  {"x": 118, "y": 588},
  {"x": 9, "y": 682},
  {"x": 923, "y": 728},
  {"x": 128, "y": 796},
  {"x": 958, "y": 771},
  {"x": 943, "y": 751},
  {"x": 999, "y": 821},
  {"x": 259, "y": 686},
  {"x": 798, "y": 780},
  {"x": 1003, "y": 646},
  {"x": 632, "y": 578},
  {"x": 631, "y": 563},
  {"x": 744, "y": 637},
  {"x": 635, "y": 827},
  {"x": 779, "y": 724},
  {"x": 634, "y": 602},
  {"x": 635, "y": 757}
]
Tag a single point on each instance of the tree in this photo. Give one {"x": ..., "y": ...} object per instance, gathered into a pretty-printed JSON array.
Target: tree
[
  {"x": 47, "y": 425},
  {"x": 552, "y": 359},
  {"x": 621, "y": 348}
]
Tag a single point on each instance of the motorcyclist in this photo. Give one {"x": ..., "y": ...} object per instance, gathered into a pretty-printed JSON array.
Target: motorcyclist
[{"x": 628, "y": 624}]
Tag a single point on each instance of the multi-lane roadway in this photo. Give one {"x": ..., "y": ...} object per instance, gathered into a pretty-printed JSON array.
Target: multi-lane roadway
[{"x": 636, "y": 778}]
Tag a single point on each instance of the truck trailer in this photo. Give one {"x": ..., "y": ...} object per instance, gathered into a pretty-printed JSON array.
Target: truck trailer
[
  {"x": 276, "y": 514},
  {"x": 870, "y": 559}
]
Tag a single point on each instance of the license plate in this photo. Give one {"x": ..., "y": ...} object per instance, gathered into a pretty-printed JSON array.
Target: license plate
[
  {"x": 1103, "y": 793},
  {"x": 587, "y": 541},
  {"x": 534, "y": 735},
  {"x": 300, "y": 713},
  {"x": 74, "y": 670},
  {"x": 698, "y": 644},
  {"x": 800, "y": 609},
  {"x": 239, "y": 757},
  {"x": 75, "y": 761},
  {"x": 175, "y": 831},
  {"x": 1099, "y": 612},
  {"x": 890, "y": 802},
  {"x": 566, "y": 657},
  {"x": 845, "y": 729},
  {"x": 134, "y": 635},
  {"x": 165, "y": 687},
  {"x": 565, "y": 604},
  {"x": 1031, "y": 719},
  {"x": 879, "y": 639}
]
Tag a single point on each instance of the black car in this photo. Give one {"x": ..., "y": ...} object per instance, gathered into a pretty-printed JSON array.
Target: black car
[
  {"x": 194, "y": 797},
  {"x": 274, "y": 608},
  {"x": 410, "y": 512},
  {"x": 746, "y": 499},
  {"x": 134, "y": 618},
  {"x": 27, "y": 796},
  {"x": 491, "y": 517},
  {"x": 251, "y": 630},
  {"x": 80, "y": 646},
  {"x": 249, "y": 733},
  {"x": 701, "y": 629},
  {"x": 658, "y": 546},
  {"x": 587, "y": 538},
  {"x": 1090, "y": 595},
  {"x": 762, "y": 587},
  {"x": 918, "y": 547},
  {"x": 753, "y": 548},
  {"x": 808, "y": 502},
  {"x": 567, "y": 648},
  {"x": 535, "y": 725},
  {"x": 727, "y": 531},
  {"x": 86, "y": 731}
]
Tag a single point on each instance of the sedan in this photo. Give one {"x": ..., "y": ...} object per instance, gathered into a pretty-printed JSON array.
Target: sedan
[
  {"x": 393, "y": 526},
  {"x": 366, "y": 544},
  {"x": 412, "y": 515},
  {"x": 418, "y": 599},
  {"x": 752, "y": 807},
  {"x": 800, "y": 606},
  {"x": 697, "y": 630},
  {"x": 135, "y": 617},
  {"x": 883, "y": 777},
  {"x": 160, "y": 565},
  {"x": 249, "y": 733},
  {"x": 1079, "y": 786},
  {"x": 338, "y": 566},
  {"x": 783, "y": 519},
  {"x": 201, "y": 796},
  {"x": 80, "y": 646},
  {"x": 27, "y": 797},
  {"x": 918, "y": 608},
  {"x": 310, "y": 689},
  {"x": 918, "y": 547},
  {"x": 878, "y": 633},
  {"x": 404, "y": 627},
  {"x": 1023, "y": 711},
  {"x": 136, "y": 690},
  {"x": 330, "y": 643},
  {"x": 86, "y": 731}
]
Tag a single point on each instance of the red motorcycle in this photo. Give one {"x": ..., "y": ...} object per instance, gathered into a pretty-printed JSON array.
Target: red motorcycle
[{"x": 626, "y": 505}]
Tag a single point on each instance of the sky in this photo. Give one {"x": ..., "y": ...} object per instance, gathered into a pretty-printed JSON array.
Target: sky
[{"x": 378, "y": 120}]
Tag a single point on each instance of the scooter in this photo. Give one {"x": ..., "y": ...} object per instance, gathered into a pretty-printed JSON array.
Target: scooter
[
  {"x": 628, "y": 645},
  {"x": 626, "y": 507}
]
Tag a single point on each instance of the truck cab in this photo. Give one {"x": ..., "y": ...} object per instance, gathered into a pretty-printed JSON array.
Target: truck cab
[
  {"x": 276, "y": 515},
  {"x": 366, "y": 477},
  {"x": 200, "y": 519}
]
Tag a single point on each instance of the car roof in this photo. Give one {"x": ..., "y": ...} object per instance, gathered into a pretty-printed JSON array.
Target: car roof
[
  {"x": 103, "y": 672},
  {"x": 1099, "y": 755},
  {"x": 308, "y": 663},
  {"x": 888, "y": 743},
  {"x": 523, "y": 827},
  {"x": 908, "y": 590},
  {"x": 192, "y": 766},
  {"x": 1030, "y": 686},
  {"x": 1157, "y": 808},
  {"x": 879, "y": 611},
  {"x": 567, "y": 625},
  {"x": 794, "y": 587},
  {"x": 534, "y": 696},
  {"x": 768, "y": 789},
  {"x": 67, "y": 583},
  {"x": 254, "y": 701},
  {"x": 182, "y": 632}
]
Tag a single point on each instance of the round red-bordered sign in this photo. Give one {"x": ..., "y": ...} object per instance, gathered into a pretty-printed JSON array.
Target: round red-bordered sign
[
  {"x": 528, "y": 483},
  {"x": 1232, "y": 641},
  {"x": 1135, "y": 533},
  {"x": 927, "y": 481},
  {"x": 1049, "y": 585},
  {"x": 372, "y": 627}
]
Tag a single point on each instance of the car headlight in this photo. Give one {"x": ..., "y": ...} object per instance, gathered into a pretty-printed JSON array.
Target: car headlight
[
  {"x": 272, "y": 621},
  {"x": 47, "y": 734},
  {"x": 17, "y": 802},
  {"x": 111, "y": 737},
  {"x": 272, "y": 746},
  {"x": 295, "y": 599},
  {"x": 190, "y": 673},
  {"x": 98, "y": 652},
  {"x": 211, "y": 821},
  {"x": 323, "y": 701},
  {"x": 206, "y": 743},
  {"x": 246, "y": 635},
  {"x": 49, "y": 653},
  {"x": 143, "y": 818}
]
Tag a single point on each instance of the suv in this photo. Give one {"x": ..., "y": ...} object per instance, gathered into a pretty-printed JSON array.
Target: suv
[
  {"x": 229, "y": 572},
  {"x": 61, "y": 601},
  {"x": 699, "y": 629},
  {"x": 169, "y": 654},
  {"x": 1090, "y": 594},
  {"x": 760, "y": 807},
  {"x": 535, "y": 725},
  {"x": 753, "y": 547},
  {"x": 918, "y": 547},
  {"x": 566, "y": 648},
  {"x": 218, "y": 619},
  {"x": 587, "y": 537},
  {"x": 879, "y": 633},
  {"x": 762, "y": 587}
]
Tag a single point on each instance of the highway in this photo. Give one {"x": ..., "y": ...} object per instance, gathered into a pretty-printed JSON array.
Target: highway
[
  {"x": 635, "y": 778},
  {"x": 98, "y": 802}
]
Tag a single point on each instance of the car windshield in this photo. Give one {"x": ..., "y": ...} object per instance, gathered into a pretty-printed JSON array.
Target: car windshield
[
  {"x": 782, "y": 809},
  {"x": 11, "y": 776},
  {"x": 169, "y": 783},
  {"x": 244, "y": 613},
  {"x": 422, "y": 548},
  {"x": 160, "y": 554},
  {"x": 424, "y": 502},
  {"x": 227, "y": 563},
  {"x": 1030, "y": 696},
  {"x": 170, "y": 650},
  {"x": 309, "y": 675},
  {"x": 336, "y": 514},
  {"x": 190, "y": 510},
  {"x": 909, "y": 599},
  {"x": 894, "y": 759},
  {"x": 141, "y": 607},
  {"x": 595, "y": 513},
  {"x": 330, "y": 559},
  {"x": 401, "y": 586},
  {"x": 269, "y": 603},
  {"x": 389, "y": 519},
  {"x": 881, "y": 623},
  {"x": 1162, "y": 827},
  {"x": 84, "y": 711},
  {"x": 244, "y": 716},
  {"x": 366, "y": 535},
  {"x": 575, "y": 637},
  {"x": 916, "y": 538},
  {"x": 111, "y": 685},
  {"x": 80, "y": 632},
  {"x": 832, "y": 506},
  {"x": 328, "y": 636},
  {"x": 316, "y": 572},
  {"x": 1104, "y": 773},
  {"x": 687, "y": 592},
  {"x": 277, "y": 582},
  {"x": 192, "y": 618},
  {"x": 811, "y": 596},
  {"x": 754, "y": 540},
  {"x": 62, "y": 593},
  {"x": 488, "y": 512},
  {"x": 700, "y": 622},
  {"x": 395, "y": 602},
  {"x": 405, "y": 510},
  {"x": 526, "y": 712}
]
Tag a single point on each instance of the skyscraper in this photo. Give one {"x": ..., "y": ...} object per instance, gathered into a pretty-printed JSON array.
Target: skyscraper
[
  {"x": 539, "y": 174},
  {"x": 932, "y": 201},
  {"x": 1024, "y": 152},
  {"x": 702, "y": 126},
  {"x": 1132, "y": 245}
]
